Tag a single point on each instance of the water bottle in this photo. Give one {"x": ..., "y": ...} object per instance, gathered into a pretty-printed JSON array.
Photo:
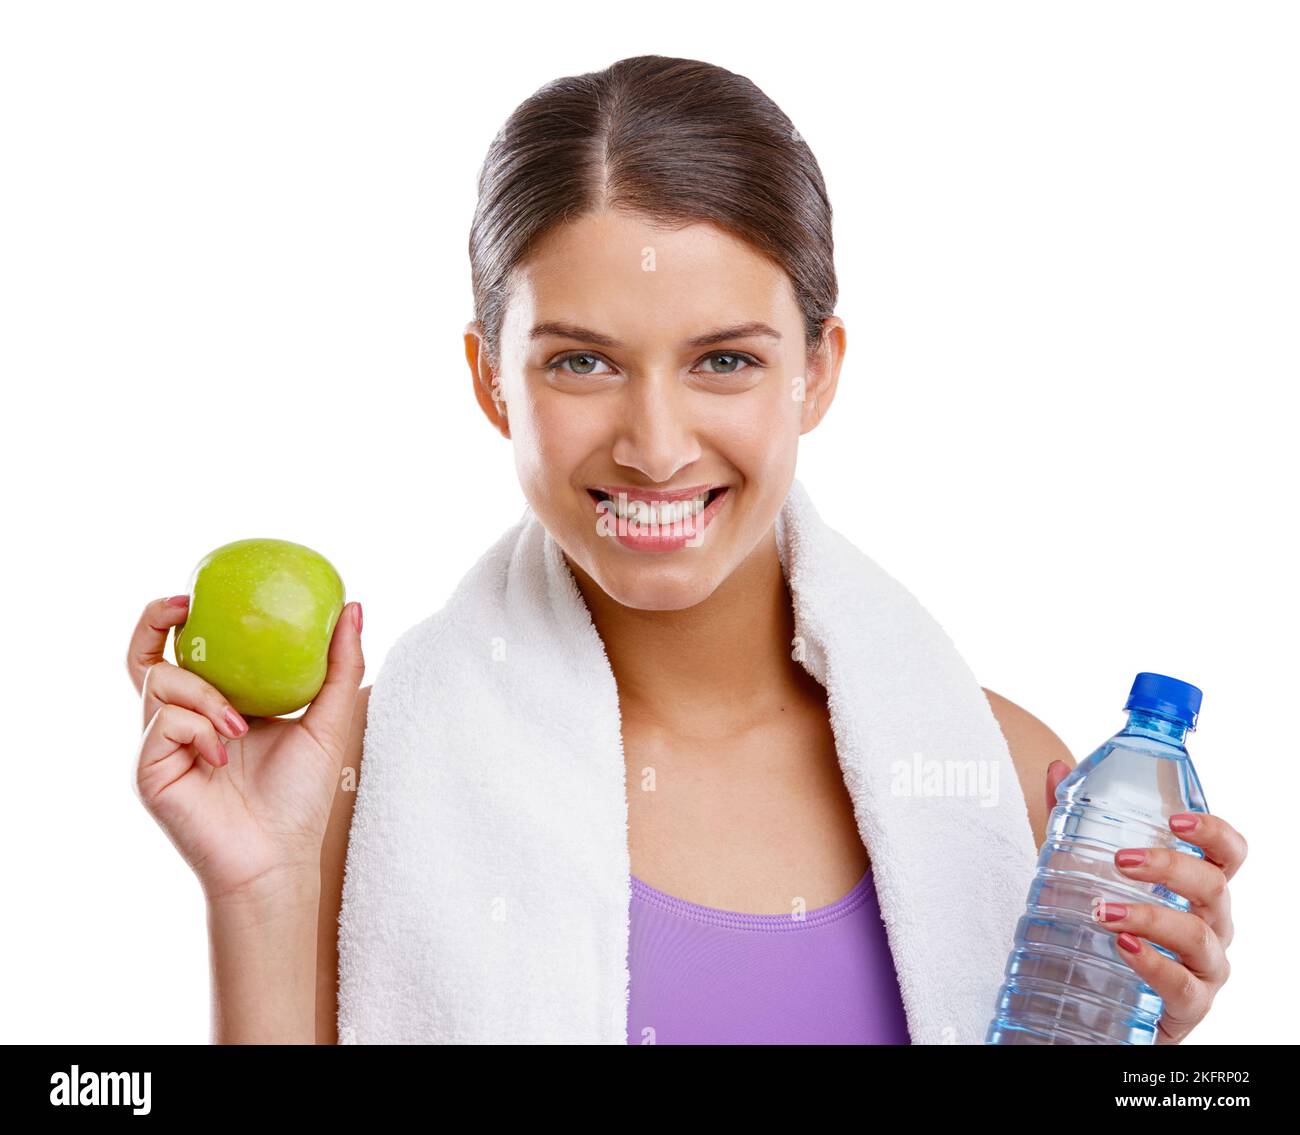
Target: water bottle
[{"x": 1066, "y": 982}]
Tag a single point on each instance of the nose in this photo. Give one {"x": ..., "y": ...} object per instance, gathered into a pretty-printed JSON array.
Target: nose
[{"x": 655, "y": 433}]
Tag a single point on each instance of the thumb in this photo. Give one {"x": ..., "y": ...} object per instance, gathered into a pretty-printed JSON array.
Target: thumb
[
  {"x": 329, "y": 717},
  {"x": 1057, "y": 771}
]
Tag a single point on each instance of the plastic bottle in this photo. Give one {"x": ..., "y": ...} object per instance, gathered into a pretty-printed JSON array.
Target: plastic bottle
[{"x": 1066, "y": 982}]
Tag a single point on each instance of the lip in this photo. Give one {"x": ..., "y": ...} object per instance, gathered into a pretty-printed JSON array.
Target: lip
[
  {"x": 663, "y": 537},
  {"x": 652, "y": 496}
]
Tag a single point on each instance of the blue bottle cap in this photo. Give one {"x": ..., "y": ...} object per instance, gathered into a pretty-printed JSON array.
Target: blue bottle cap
[{"x": 1156, "y": 693}]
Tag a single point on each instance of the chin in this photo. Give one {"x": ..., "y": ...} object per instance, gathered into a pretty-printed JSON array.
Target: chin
[
  {"x": 662, "y": 594},
  {"x": 643, "y": 585}
]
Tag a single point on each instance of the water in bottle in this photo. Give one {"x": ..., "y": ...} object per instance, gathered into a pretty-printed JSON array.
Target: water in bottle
[{"x": 1066, "y": 982}]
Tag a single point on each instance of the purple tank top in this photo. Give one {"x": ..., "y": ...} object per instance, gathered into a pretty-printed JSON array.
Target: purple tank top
[{"x": 706, "y": 976}]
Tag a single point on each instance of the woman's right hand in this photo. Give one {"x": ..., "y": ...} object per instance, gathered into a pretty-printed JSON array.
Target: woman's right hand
[{"x": 249, "y": 813}]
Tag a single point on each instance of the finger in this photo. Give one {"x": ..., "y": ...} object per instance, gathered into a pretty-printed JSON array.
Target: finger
[
  {"x": 329, "y": 717},
  {"x": 1222, "y": 843},
  {"x": 1198, "y": 947},
  {"x": 167, "y": 749},
  {"x": 1201, "y": 882},
  {"x": 150, "y": 635},
  {"x": 1198, "y": 880},
  {"x": 1186, "y": 997},
  {"x": 1057, "y": 771},
  {"x": 168, "y": 684}
]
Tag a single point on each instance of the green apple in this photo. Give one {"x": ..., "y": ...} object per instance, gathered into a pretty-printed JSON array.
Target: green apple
[{"x": 262, "y": 613}]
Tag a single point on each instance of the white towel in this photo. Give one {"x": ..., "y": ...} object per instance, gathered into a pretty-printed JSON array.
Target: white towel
[{"x": 486, "y": 896}]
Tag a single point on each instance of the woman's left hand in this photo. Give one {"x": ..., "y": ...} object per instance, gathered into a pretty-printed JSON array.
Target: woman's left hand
[{"x": 1199, "y": 936}]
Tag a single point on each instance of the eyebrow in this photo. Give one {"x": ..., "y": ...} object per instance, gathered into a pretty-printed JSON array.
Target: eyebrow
[{"x": 753, "y": 329}]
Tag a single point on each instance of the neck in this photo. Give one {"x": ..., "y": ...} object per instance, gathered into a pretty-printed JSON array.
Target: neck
[{"x": 717, "y": 667}]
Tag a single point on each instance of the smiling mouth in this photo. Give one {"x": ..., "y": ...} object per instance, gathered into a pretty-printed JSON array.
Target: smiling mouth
[{"x": 662, "y": 523}]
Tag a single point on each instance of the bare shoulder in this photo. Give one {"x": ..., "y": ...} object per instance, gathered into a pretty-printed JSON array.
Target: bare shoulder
[
  {"x": 333, "y": 859},
  {"x": 1033, "y": 747}
]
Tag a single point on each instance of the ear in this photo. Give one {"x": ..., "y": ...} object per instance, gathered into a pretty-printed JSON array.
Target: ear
[
  {"x": 823, "y": 373},
  {"x": 487, "y": 384}
]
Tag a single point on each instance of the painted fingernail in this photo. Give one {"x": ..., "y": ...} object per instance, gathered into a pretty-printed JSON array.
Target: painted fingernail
[
  {"x": 1183, "y": 823},
  {"x": 1130, "y": 943},
  {"x": 225, "y": 756},
  {"x": 1131, "y": 858},
  {"x": 237, "y": 724},
  {"x": 1110, "y": 911},
  {"x": 178, "y": 600},
  {"x": 356, "y": 617}
]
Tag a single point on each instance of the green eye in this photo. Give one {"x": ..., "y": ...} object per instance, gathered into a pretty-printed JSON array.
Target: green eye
[
  {"x": 588, "y": 359},
  {"x": 736, "y": 358}
]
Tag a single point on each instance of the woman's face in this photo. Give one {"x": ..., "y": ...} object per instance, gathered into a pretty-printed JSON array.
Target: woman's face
[{"x": 661, "y": 371}]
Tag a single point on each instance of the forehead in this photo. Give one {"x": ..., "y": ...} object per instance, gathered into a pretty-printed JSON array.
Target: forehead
[{"x": 619, "y": 273}]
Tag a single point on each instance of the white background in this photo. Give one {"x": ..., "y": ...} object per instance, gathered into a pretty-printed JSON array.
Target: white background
[{"x": 234, "y": 280}]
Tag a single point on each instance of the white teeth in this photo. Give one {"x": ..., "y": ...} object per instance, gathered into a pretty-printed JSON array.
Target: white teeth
[{"x": 661, "y": 513}]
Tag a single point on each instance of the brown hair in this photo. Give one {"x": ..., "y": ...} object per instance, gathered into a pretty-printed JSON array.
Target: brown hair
[{"x": 675, "y": 140}]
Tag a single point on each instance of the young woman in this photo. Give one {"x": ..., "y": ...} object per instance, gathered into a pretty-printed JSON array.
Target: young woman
[{"x": 653, "y": 278}]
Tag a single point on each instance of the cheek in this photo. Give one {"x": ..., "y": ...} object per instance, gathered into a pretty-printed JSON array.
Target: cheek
[
  {"x": 757, "y": 432},
  {"x": 553, "y": 437}
]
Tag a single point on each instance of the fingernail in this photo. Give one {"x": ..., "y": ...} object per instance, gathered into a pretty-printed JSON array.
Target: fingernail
[
  {"x": 237, "y": 724},
  {"x": 178, "y": 600},
  {"x": 1131, "y": 858},
  {"x": 1111, "y": 911},
  {"x": 225, "y": 756},
  {"x": 356, "y": 617},
  {"x": 1130, "y": 943},
  {"x": 1183, "y": 823}
]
